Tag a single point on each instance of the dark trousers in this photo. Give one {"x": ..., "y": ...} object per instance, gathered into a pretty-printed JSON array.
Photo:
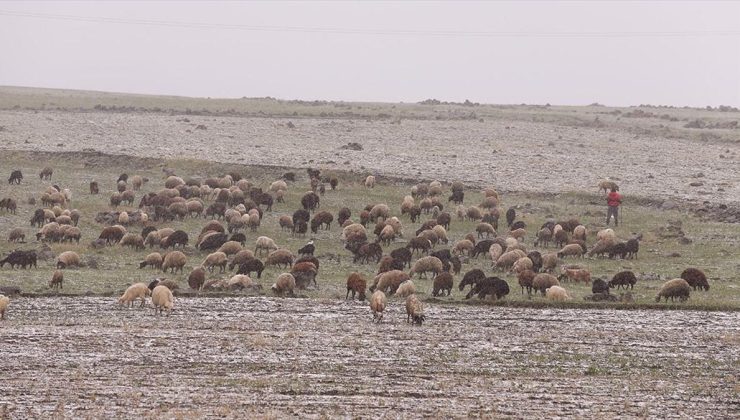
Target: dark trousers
[{"x": 612, "y": 211}]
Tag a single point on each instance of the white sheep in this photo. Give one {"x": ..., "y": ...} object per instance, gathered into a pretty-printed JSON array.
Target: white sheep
[
  {"x": 162, "y": 299},
  {"x": 263, "y": 242},
  {"x": 405, "y": 289},
  {"x": 557, "y": 293},
  {"x": 4, "y": 302},
  {"x": 135, "y": 291}
]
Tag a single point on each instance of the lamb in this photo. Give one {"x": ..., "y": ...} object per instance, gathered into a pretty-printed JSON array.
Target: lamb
[
  {"x": 576, "y": 275},
  {"x": 378, "y": 302},
  {"x": 623, "y": 278},
  {"x": 285, "y": 283},
  {"x": 364, "y": 252},
  {"x": 405, "y": 289},
  {"x": 285, "y": 222},
  {"x": 197, "y": 278},
  {"x": 370, "y": 181},
  {"x": 494, "y": 286},
  {"x": 135, "y": 291},
  {"x": 389, "y": 281},
  {"x": 307, "y": 249},
  {"x": 279, "y": 258},
  {"x": 57, "y": 280},
  {"x": 471, "y": 278},
  {"x": 357, "y": 284},
  {"x": 695, "y": 278},
  {"x": 174, "y": 261},
  {"x": 153, "y": 260},
  {"x": 526, "y": 280},
  {"x": 574, "y": 250},
  {"x": 16, "y": 235},
  {"x": 441, "y": 283},
  {"x": 544, "y": 281},
  {"x": 427, "y": 264},
  {"x": 123, "y": 218},
  {"x": 675, "y": 288},
  {"x": 216, "y": 259},
  {"x": 162, "y": 299},
  {"x": 557, "y": 293},
  {"x": 414, "y": 310},
  {"x": 68, "y": 259},
  {"x": 4, "y": 302},
  {"x": 264, "y": 243}
]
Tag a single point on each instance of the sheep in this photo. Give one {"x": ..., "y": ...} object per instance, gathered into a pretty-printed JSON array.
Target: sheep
[
  {"x": 304, "y": 274},
  {"x": 162, "y": 299},
  {"x": 427, "y": 264},
  {"x": 240, "y": 258},
  {"x": 174, "y": 261},
  {"x": 230, "y": 248},
  {"x": 544, "y": 281},
  {"x": 422, "y": 245},
  {"x": 485, "y": 229},
  {"x": 387, "y": 235},
  {"x": 20, "y": 258},
  {"x": 463, "y": 246},
  {"x": 251, "y": 265},
  {"x": 507, "y": 259},
  {"x": 370, "y": 181},
  {"x": 72, "y": 233},
  {"x": 623, "y": 278},
  {"x": 57, "y": 280},
  {"x": 606, "y": 235},
  {"x": 599, "y": 286},
  {"x": 285, "y": 283},
  {"x": 16, "y": 235},
  {"x": 601, "y": 247},
  {"x": 68, "y": 259},
  {"x": 132, "y": 240},
  {"x": 241, "y": 282},
  {"x": 135, "y": 291},
  {"x": 322, "y": 218},
  {"x": 153, "y": 260},
  {"x": 557, "y": 293},
  {"x": 521, "y": 264},
  {"x": 481, "y": 247},
  {"x": 405, "y": 289},
  {"x": 695, "y": 278},
  {"x": 560, "y": 236},
  {"x": 675, "y": 288},
  {"x": 473, "y": 213},
  {"x": 526, "y": 279},
  {"x": 632, "y": 247},
  {"x": 494, "y": 286},
  {"x": 307, "y": 249},
  {"x": 264, "y": 243},
  {"x": 575, "y": 275},
  {"x": 216, "y": 259},
  {"x": 279, "y": 258},
  {"x": 571, "y": 250},
  {"x": 197, "y": 278},
  {"x": 212, "y": 241},
  {"x": 441, "y": 283},
  {"x": 607, "y": 186},
  {"x": 4, "y": 303},
  {"x": 389, "y": 281},
  {"x": 414, "y": 310},
  {"x": 378, "y": 302},
  {"x": 378, "y": 211},
  {"x": 580, "y": 232},
  {"x": 278, "y": 185},
  {"x": 178, "y": 237},
  {"x": 137, "y": 181},
  {"x": 357, "y": 284},
  {"x": 441, "y": 233},
  {"x": 403, "y": 255},
  {"x": 471, "y": 278}
]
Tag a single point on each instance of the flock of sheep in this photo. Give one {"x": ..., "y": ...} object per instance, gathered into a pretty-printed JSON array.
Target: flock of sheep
[{"x": 235, "y": 206}]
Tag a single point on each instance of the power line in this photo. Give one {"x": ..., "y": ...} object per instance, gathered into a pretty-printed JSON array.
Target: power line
[{"x": 349, "y": 31}]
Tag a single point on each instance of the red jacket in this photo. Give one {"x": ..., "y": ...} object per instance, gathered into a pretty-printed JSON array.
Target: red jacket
[{"x": 613, "y": 199}]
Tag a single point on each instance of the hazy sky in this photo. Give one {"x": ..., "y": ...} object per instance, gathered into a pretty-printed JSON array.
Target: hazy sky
[{"x": 622, "y": 53}]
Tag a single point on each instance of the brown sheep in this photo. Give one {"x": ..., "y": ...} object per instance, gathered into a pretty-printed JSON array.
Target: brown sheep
[
  {"x": 174, "y": 261},
  {"x": 231, "y": 248},
  {"x": 162, "y": 299},
  {"x": 57, "y": 280},
  {"x": 216, "y": 259},
  {"x": 357, "y": 284},
  {"x": 279, "y": 258},
  {"x": 197, "y": 278},
  {"x": 675, "y": 288},
  {"x": 526, "y": 280},
  {"x": 414, "y": 310},
  {"x": 405, "y": 289},
  {"x": 389, "y": 281},
  {"x": 550, "y": 262},
  {"x": 153, "y": 260},
  {"x": 463, "y": 246},
  {"x": 132, "y": 240},
  {"x": 285, "y": 283},
  {"x": 135, "y": 291},
  {"x": 16, "y": 235},
  {"x": 441, "y": 283},
  {"x": 427, "y": 264},
  {"x": 378, "y": 302},
  {"x": 574, "y": 250},
  {"x": 576, "y": 275},
  {"x": 68, "y": 259},
  {"x": 544, "y": 281}
]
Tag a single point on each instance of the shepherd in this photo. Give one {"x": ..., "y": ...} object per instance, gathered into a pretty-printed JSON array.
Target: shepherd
[{"x": 613, "y": 200}]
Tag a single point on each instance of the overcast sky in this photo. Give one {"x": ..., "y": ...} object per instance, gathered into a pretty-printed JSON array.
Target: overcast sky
[{"x": 572, "y": 53}]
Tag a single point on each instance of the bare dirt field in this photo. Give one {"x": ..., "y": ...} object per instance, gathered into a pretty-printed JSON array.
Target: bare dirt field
[{"x": 238, "y": 357}]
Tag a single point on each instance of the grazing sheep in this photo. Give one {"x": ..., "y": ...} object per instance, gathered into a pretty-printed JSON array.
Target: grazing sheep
[
  {"x": 321, "y": 219},
  {"x": 378, "y": 211},
  {"x": 264, "y": 243},
  {"x": 387, "y": 235},
  {"x": 414, "y": 310},
  {"x": 135, "y": 291},
  {"x": 251, "y": 265},
  {"x": 494, "y": 286},
  {"x": 16, "y": 235},
  {"x": 600, "y": 287},
  {"x": 695, "y": 278},
  {"x": 482, "y": 247},
  {"x": 197, "y": 278},
  {"x": 68, "y": 259},
  {"x": 132, "y": 240},
  {"x": 174, "y": 261},
  {"x": 402, "y": 255},
  {"x": 575, "y": 275},
  {"x": 241, "y": 282},
  {"x": 162, "y": 300},
  {"x": 370, "y": 181},
  {"x": 307, "y": 249},
  {"x": 178, "y": 237},
  {"x": 304, "y": 274},
  {"x": 473, "y": 213},
  {"x": 463, "y": 246},
  {"x": 343, "y": 215},
  {"x": 557, "y": 293},
  {"x": 485, "y": 229},
  {"x": 544, "y": 281},
  {"x": 405, "y": 289},
  {"x": 427, "y": 264},
  {"x": 212, "y": 241},
  {"x": 601, "y": 247},
  {"x": 216, "y": 259},
  {"x": 441, "y": 283},
  {"x": 285, "y": 283},
  {"x": 580, "y": 233},
  {"x": 46, "y": 173},
  {"x": 57, "y": 280},
  {"x": 676, "y": 288},
  {"x": 279, "y": 258},
  {"x": 526, "y": 280},
  {"x": 606, "y": 235},
  {"x": 4, "y": 303},
  {"x": 521, "y": 264},
  {"x": 153, "y": 260},
  {"x": 20, "y": 258},
  {"x": 356, "y": 284},
  {"x": 278, "y": 185},
  {"x": 507, "y": 259},
  {"x": 378, "y": 302},
  {"x": 389, "y": 281},
  {"x": 574, "y": 250},
  {"x": 544, "y": 236},
  {"x": 471, "y": 278},
  {"x": 623, "y": 278},
  {"x": 632, "y": 247}
]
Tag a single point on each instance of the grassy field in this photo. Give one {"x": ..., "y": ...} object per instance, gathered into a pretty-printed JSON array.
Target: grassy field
[{"x": 713, "y": 247}]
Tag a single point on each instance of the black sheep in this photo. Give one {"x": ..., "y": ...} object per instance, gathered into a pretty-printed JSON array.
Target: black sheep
[
  {"x": 213, "y": 242},
  {"x": 252, "y": 265},
  {"x": 178, "y": 237},
  {"x": 15, "y": 177},
  {"x": 600, "y": 286},
  {"x": 343, "y": 215},
  {"x": 482, "y": 247},
  {"x": 518, "y": 225},
  {"x": 403, "y": 255},
  {"x": 510, "y": 216},
  {"x": 623, "y": 278},
  {"x": 619, "y": 249},
  {"x": 301, "y": 215},
  {"x": 239, "y": 237},
  {"x": 632, "y": 246},
  {"x": 471, "y": 278},
  {"x": 536, "y": 258},
  {"x": 695, "y": 278},
  {"x": 489, "y": 286},
  {"x": 308, "y": 249}
]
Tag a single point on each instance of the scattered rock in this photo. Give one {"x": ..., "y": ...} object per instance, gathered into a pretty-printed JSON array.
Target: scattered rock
[
  {"x": 352, "y": 146},
  {"x": 200, "y": 127},
  {"x": 696, "y": 184},
  {"x": 668, "y": 205}
]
